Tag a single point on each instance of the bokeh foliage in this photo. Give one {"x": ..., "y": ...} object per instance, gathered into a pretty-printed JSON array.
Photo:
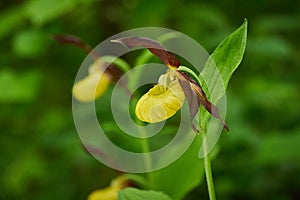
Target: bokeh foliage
[{"x": 41, "y": 154}]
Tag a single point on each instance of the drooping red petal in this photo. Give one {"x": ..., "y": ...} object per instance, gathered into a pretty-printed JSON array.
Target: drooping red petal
[
  {"x": 191, "y": 97},
  {"x": 73, "y": 40},
  {"x": 156, "y": 48},
  {"x": 196, "y": 97},
  {"x": 210, "y": 107},
  {"x": 112, "y": 71}
]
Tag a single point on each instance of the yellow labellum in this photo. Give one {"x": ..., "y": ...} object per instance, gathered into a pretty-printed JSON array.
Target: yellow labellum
[
  {"x": 160, "y": 102},
  {"x": 92, "y": 86}
]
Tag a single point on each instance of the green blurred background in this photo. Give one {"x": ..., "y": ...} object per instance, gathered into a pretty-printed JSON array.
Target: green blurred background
[{"x": 41, "y": 156}]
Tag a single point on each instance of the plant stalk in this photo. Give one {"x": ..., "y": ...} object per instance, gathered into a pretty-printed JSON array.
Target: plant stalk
[
  {"x": 147, "y": 159},
  {"x": 209, "y": 178},
  {"x": 145, "y": 149},
  {"x": 208, "y": 174}
]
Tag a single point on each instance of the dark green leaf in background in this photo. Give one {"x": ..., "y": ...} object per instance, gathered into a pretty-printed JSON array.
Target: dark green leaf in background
[
  {"x": 44, "y": 11},
  {"x": 183, "y": 175},
  {"x": 10, "y": 20},
  {"x": 30, "y": 43},
  {"x": 19, "y": 87}
]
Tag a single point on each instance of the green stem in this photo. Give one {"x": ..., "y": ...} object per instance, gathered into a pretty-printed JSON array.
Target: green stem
[
  {"x": 144, "y": 142},
  {"x": 147, "y": 159},
  {"x": 209, "y": 178},
  {"x": 145, "y": 149},
  {"x": 190, "y": 72},
  {"x": 208, "y": 174},
  {"x": 207, "y": 165},
  {"x": 119, "y": 62}
]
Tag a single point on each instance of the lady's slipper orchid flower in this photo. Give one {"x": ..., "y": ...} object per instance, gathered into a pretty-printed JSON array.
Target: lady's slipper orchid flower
[
  {"x": 166, "y": 98},
  {"x": 111, "y": 192}
]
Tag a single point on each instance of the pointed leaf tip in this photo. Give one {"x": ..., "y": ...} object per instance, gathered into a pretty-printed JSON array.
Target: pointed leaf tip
[{"x": 224, "y": 61}]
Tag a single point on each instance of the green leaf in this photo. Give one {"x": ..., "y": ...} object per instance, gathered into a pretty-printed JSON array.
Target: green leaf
[
  {"x": 183, "y": 175},
  {"x": 136, "y": 194},
  {"x": 226, "y": 57},
  {"x": 277, "y": 23},
  {"x": 220, "y": 66},
  {"x": 19, "y": 87},
  {"x": 11, "y": 20},
  {"x": 271, "y": 47},
  {"x": 30, "y": 43},
  {"x": 44, "y": 11},
  {"x": 31, "y": 168},
  {"x": 279, "y": 148}
]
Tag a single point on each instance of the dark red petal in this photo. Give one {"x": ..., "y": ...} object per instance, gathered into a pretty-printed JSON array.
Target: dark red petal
[
  {"x": 190, "y": 95},
  {"x": 211, "y": 108},
  {"x": 153, "y": 46},
  {"x": 73, "y": 40},
  {"x": 113, "y": 72},
  {"x": 196, "y": 96}
]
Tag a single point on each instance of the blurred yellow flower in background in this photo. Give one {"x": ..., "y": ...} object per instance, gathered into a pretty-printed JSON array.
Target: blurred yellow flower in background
[
  {"x": 111, "y": 192},
  {"x": 93, "y": 85}
]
